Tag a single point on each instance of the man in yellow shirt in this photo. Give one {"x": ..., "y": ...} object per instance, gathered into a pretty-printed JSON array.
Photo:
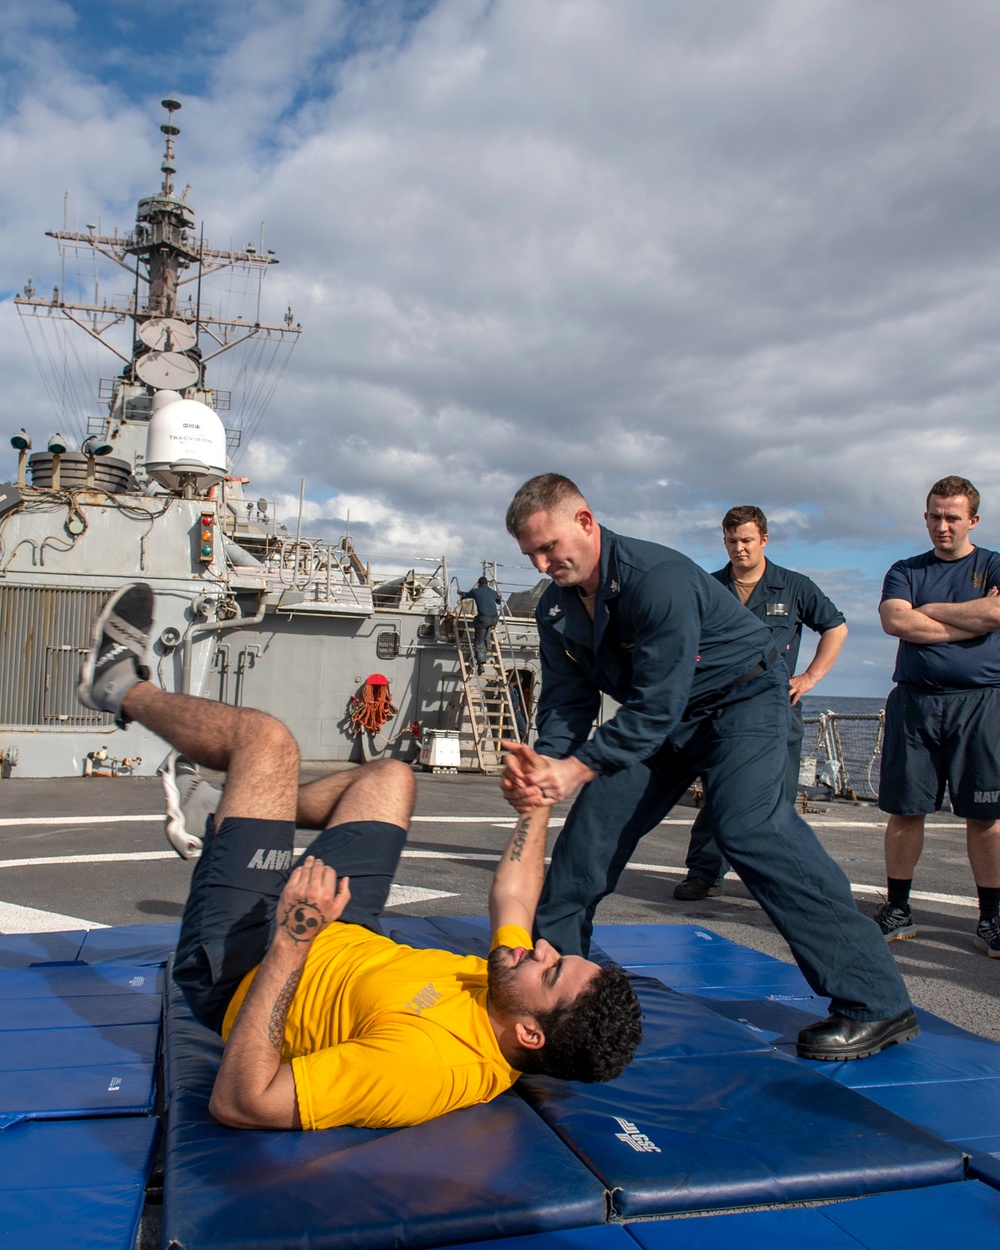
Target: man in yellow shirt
[{"x": 326, "y": 1021}]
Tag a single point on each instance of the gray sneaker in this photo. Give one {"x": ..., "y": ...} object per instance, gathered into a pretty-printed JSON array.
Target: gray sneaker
[
  {"x": 119, "y": 641},
  {"x": 895, "y": 922},
  {"x": 190, "y": 801},
  {"x": 988, "y": 937}
]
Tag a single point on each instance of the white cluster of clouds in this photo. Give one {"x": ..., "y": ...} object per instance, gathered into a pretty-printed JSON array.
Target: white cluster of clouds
[{"x": 689, "y": 254}]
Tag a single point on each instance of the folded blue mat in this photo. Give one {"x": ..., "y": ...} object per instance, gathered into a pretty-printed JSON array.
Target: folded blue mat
[
  {"x": 21, "y": 950},
  {"x": 70, "y": 1013},
  {"x": 633, "y": 945},
  {"x": 953, "y": 1110},
  {"x": 604, "y": 1237},
  {"x": 131, "y": 944},
  {"x": 756, "y": 977},
  {"x": 78, "y": 1183},
  {"x": 735, "y": 1130},
  {"x": 984, "y": 1161},
  {"x": 674, "y": 1026},
  {"x": 26, "y": 1049},
  {"x": 936, "y": 1218},
  {"x": 78, "y": 1041},
  {"x": 124, "y": 1089},
  {"x": 80, "y": 980}
]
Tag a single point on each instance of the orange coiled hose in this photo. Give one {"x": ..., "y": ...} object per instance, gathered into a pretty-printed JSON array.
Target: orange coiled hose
[{"x": 370, "y": 709}]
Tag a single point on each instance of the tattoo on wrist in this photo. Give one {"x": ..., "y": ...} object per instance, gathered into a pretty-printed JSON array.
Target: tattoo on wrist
[
  {"x": 302, "y": 920},
  {"x": 520, "y": 836},
  {"x": 279, "y": 1012}
]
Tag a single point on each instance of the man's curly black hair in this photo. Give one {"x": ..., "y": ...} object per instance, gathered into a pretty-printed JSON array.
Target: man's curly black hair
[{"x": 594, "y": 1037}]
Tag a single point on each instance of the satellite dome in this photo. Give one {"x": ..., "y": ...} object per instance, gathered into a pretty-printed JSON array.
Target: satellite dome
[{"x": 186, "y": 442}]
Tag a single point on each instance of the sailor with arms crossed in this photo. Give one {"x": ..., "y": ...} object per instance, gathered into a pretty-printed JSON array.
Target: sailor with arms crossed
[{"x": 942, "y": 720}]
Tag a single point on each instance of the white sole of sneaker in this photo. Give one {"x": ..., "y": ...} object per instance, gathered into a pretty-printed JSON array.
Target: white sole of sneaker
[
  {"x": 982, "y": 945},
  {"x": 185, "y": 844}
]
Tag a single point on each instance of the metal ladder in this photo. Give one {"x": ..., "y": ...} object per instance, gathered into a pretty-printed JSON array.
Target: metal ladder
[{"x": 487, "y": 699}]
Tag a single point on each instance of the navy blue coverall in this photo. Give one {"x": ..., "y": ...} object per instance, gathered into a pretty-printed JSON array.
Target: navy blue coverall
[
  {"x": 784, "y": 601},
  {"x": 487, "y": 603},
  {"x": 702, "y": 692}
]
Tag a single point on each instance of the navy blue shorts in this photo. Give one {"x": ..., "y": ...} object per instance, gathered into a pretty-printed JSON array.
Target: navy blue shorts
[
  {"x": 229, "y": 915},
  {"x": 937, "y": 740}
]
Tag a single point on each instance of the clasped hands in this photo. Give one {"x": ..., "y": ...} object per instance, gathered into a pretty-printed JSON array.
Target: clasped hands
[{"x": 532, "y": 780}]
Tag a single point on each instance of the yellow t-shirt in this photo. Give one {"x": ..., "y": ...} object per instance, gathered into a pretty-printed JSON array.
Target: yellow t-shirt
[{"x": 382, "y": 1036}]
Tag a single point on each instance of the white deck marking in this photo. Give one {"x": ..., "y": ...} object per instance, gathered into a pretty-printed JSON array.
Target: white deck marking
[
  {"x": 402, "y": 894},
  {"x": 10, "y": 821},
  {"x": 109, "y": 857},
  {"x": 17, "y": 919},
  {"x": 498, "y": 822}
]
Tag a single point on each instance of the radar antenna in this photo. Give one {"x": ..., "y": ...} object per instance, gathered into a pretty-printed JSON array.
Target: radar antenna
[{"x": 171, "y": 131}]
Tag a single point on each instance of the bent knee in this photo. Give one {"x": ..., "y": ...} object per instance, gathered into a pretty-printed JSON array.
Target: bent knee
[
  {"x": 267, "y": 733},
  {"x": 398, "y": 776}
]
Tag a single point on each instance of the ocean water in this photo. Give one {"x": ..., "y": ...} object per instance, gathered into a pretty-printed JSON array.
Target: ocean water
[{"x": 815, "y": 705}]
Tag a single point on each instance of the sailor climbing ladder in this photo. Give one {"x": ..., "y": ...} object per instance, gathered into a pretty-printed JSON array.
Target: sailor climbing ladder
[{"x": 488, "y": 697}]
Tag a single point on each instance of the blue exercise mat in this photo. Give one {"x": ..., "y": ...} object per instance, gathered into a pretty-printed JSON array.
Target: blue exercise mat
[
  {"x": 21, "y": 950},
  {"x": 78, "y": 1183},
  {"x": 124, "y": 1089},
  {"x": 131, "y": 944},
  {"x": 953, "y": 1110},
  {"x": 984, "y": 1158},
  {"x": 735, "y": 1130},
  {"x": 941, "y": 1217},
  {"x": 674, "y": 1026},
  {"x": 96, "y": 1010},
  {"x": 603, "y": 1237},
  {"x": 633, "y": 945},
  {"x": 935, "y": 1218},
  {"x": 754, "y": 978},
  {"x": 23, "y": 1050},
  {"x": 78, "y": 1041},
  {"x": 79, "y": 980},
  {"x": 474, "y": 1174}
]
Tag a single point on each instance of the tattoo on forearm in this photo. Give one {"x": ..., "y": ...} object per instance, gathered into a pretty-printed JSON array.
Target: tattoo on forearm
[
  {"x": 519, "y": 837},
  {"x": 279, "y": 1012},
  {"x": 302, "y": 921}
]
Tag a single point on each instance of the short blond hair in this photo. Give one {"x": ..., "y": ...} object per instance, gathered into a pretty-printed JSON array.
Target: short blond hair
[{"x": 548, "y": 492}]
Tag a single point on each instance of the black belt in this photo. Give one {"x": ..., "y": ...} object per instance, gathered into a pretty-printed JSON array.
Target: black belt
[
  {"x": 708, "y": 706},
  {"x": 751, "y": 673}
]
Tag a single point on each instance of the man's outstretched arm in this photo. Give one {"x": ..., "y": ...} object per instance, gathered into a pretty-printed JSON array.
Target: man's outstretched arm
[
  {"x": 254, "y": 1089},
  {"x": 517, "y": 882}
]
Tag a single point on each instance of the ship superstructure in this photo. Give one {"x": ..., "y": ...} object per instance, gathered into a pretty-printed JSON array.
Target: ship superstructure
[{"x": 248, "y": 612}]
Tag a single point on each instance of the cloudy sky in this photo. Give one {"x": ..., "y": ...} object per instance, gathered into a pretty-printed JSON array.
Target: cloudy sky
[{"x": 689, "y": 253}]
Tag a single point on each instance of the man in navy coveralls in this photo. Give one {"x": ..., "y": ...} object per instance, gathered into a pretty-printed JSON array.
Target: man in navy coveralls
[
  {"x": 942, "y": 721},
  {"x": 701, "y": 692},
  {"x": 784, "y": 601}
]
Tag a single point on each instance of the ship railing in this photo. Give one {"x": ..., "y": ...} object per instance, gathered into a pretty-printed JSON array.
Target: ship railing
[
  {"x": 323, "y": 573},
  {"x": 415, "y": 591},
  {"x": 846, "y": 753}
]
